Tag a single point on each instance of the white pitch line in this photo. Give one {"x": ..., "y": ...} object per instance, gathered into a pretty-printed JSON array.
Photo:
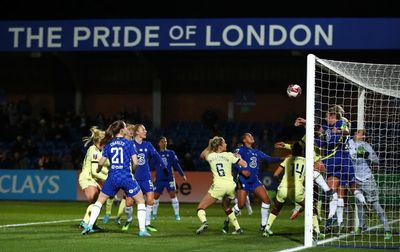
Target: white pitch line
[
  {"x": 346, "y": 235},
  {"x": 294, "y": 249},
  {"x": 37, "y": 223},
  {"x": 334, "y": 238}
]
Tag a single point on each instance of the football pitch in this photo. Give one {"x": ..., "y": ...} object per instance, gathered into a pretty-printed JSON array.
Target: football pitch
[{"x": 54, "y": 226}]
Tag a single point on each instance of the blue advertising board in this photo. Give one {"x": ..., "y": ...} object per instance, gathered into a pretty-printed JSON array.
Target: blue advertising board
[
  {"x": 200, "y": 34},
  {"x": 37, "y": 185}
]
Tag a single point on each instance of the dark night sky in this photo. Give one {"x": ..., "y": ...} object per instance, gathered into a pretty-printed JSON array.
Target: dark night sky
[
  {"x": 125, "y": 9},
  {"x": 35, "y": 10}
]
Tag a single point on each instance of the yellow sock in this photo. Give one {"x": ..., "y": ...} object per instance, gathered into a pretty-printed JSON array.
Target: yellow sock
[
  {"x": 315, "y": 224},
  {"x": 233, "y": 220},
  {"x": 202, "y": 215},
  {"x": 87, "y": 214},
  {"x": 121, "y": 208},
  {"x": 271, "y": 220},
  {"x": 109, "y": 204}
]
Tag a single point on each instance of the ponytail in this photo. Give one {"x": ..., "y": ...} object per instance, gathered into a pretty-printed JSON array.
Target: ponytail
[
  {"x": 95, "y": 136},
  {"x": 112, "y": 131}
]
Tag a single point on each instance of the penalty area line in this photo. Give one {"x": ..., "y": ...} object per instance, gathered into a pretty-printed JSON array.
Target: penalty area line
[{"x": 37, "y": 223}]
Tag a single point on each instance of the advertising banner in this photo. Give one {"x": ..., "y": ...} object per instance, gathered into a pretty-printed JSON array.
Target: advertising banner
[
  {"x": 200, "y": 34},
  {"x": 37, "y": 185}
]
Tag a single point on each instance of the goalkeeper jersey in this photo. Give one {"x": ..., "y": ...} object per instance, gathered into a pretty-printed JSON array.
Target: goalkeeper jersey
[{"x": 357, "y": 150}]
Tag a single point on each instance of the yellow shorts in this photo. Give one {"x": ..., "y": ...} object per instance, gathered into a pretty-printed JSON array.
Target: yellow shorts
[
  {"x": 86, "y": 182},
  {"x": 219, "y": 191},
  {"x": 291, "y": 193}
]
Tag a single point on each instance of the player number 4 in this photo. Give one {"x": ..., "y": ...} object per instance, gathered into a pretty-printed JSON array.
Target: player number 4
[{"x": 298, "y": 170}]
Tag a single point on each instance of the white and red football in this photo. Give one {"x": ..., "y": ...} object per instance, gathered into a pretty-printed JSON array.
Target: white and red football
[{"x": 293, "y": 90}]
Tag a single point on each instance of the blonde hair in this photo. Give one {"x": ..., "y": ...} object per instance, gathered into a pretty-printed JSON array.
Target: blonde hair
[
  {"x": 338, "y": 111},
  {"x": 130, "y": 126},
  {"x": 136, "y": 128},
  {"x": 95, "y": 136},
  {"x": 213, "y": 145},
  {"x": 215, "y": 142},
  {"x": 337, "y": 108},
  {"x": 362, "y": 130}
]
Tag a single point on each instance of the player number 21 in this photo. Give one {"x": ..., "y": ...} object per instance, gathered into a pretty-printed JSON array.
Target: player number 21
[{"x": 118, "y": 157}]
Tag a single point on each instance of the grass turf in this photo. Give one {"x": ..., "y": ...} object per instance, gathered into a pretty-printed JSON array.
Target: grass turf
[{"x": 172, "y": 235}]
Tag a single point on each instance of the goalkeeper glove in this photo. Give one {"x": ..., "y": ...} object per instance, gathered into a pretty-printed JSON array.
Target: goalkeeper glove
[{"x": 363, "y": 154}]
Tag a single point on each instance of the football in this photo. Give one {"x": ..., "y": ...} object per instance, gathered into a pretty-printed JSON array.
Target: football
[{"x": 293, "y": 90}]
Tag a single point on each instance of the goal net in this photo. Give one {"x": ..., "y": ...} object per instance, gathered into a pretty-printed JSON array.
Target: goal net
[{"x": 369, "y": 99}]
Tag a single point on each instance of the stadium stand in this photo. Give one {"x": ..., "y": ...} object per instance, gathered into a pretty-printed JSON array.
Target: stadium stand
[{"x": 54, "y": 141}]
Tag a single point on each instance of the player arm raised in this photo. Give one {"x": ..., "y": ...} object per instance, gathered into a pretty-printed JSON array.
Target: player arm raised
[
  {"x": 300, "y": 121},
  {"x": 206, "y": 151},
  {"x": 343, "y": 130},
  {"x": 270, "y": 159},
  {"x": 242, "y": 163},
  {"x": 282, "y": 145}
]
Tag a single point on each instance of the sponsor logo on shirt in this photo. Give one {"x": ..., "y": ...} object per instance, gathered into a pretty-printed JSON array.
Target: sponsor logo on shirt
[{"x": 141, "y": 159}]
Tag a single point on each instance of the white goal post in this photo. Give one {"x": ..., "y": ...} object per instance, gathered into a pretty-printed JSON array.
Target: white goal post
[{"x": 370, "y": 97}]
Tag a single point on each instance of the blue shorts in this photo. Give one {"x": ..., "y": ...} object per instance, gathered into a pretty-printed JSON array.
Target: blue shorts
[
  {"x": 161, "y": 184},
  {"x": 250, "y": 186},
  {"x": 341, "y": 167},
  {"x": 112, "y": 185},
  {"x": 146, "y": 185}
]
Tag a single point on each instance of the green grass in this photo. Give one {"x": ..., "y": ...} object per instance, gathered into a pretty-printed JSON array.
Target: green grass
[{"x": 172, "y": 235}]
